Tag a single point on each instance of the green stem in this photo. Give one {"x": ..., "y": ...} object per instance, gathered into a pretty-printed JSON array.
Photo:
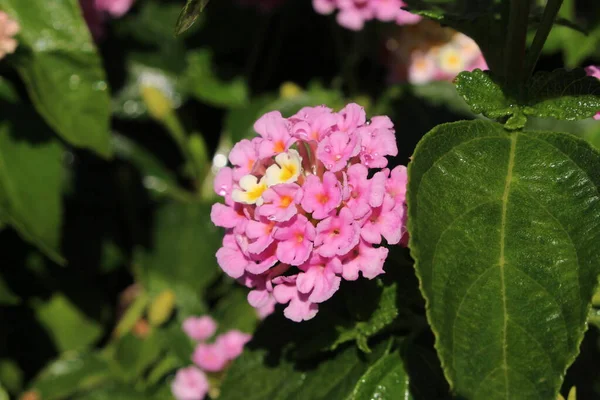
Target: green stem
[
  {"x": 177, "y": 132},
  {"x": 516, "y": 42},
  {"x": 548, "y": 18}
]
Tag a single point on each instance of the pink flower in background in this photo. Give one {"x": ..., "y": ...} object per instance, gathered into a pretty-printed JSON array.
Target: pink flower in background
[
  {"x": 8, "y": 29},
  {"x": 427, "y": 52},
  {"x": 594, "y": 71},
  {"x": 354, "y": 13},
  {"x": 232, "y": 343},
  {"x": 210, "y": 357},
  {"x": 199, "y": 328},
  {"x": 95, "y": 13},
  {"x": 189, "y": 384},
  {"x": 315, "y": 210}
]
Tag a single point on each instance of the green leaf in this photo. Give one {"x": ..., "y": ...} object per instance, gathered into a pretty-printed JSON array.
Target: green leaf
[
  {"x": 11, "y": 375},
  {"x": 189, "y": 15},
  {"x": 504, "y": 231},
  {"x": 563, "y": 94},
  {"x": 69, "y": 328},
  {"x": 183, "y": 251},
  {"x": 31, "y": 169},
  {"x": 385, "y": 379},
  {"x": 259, "y": 375},
  {"x": 370, "y": 319},
  {"x": 71, "y": 374},
  {"x": 485, "y": 96},
  {"x": 134, "y": 355},
  {"x": 3, "y": 394},
  {"x": 115, "y": 391},
  {"x": 201, "y": 81},
  {"x": 62, "y": 71},
  {"x": 560, "y": 94}
]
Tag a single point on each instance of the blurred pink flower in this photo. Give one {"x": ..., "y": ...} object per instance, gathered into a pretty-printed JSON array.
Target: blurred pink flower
[
  {"x": 96, "y": 11},
  {"x": 8, "y": 29},
  {"x": 354, "y": 13},
  {"x": 199, "y": 328},
  {"x": 427, "y": 52},
  {"x": 232, "y": 343},
  {"x": 189, "y": 384},
  {"x": 210, "y": 357},
  {"x": 594, "y": 71}
]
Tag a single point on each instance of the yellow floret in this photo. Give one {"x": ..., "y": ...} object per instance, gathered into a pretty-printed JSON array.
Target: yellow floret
[
  {"x": 252, "y": 190},
  {"x": 286, "y": 169}
]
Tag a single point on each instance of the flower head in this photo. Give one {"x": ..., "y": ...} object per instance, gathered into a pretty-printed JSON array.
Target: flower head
[
  {"x": 8, "y": 29},
  {"x": 354, "y": 13},
  {"x": 304, "y": 208},
  {"x": 594, "y": 71},
  {"x": 210, "y": 357},
  {"x": 427, "y": 52},
  {"x": 190, "y": 384},
  {"x": 199, "y": 328}
]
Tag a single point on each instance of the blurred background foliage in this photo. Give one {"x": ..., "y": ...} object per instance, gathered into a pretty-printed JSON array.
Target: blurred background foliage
[{"x": 107, "y": 154}]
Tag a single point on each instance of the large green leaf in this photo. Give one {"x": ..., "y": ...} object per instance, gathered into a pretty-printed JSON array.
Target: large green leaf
[
  {"x": 504, "y": 230},
  {"x": 31, "y": 174},
  {"x": 62, "y": 70},
  {"x": 183, "y": 251}
]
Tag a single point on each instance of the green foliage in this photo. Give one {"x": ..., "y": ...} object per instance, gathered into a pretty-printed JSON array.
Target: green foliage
[
  {"x": 183, "y": 232},
  {"x": 62, "y": 71},
  {"x": 69, "y": 375},
  {"x": 561, "y": 94},
  {"x": 23, "y": 138},
  {"x": 385, "y": 379},
  {"x": 207, "y": 87},
  {"x": 502, "y": 229},
  {"x": 68, "y": 326}
]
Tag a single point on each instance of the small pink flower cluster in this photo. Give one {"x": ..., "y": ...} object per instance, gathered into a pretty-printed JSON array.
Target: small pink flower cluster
[
  {"x": 95, "y": 12},
  {"x": 428, "y": 52},
  {"x": 8, "y": 29},
  {"x": 301, "y": 211},
  {"x": 594, "y": 71},
  {"x": 354, "y": 13},
  {"x": 191, "y": 383}
]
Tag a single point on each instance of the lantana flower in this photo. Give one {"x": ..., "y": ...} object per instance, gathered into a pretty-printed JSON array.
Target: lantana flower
[
  {"x": 594, "y": 70},
  {"x": 192, "y": 383},
  {"x": 354, "y": 13},
  {"x": 8, "y": 29},
  {"x": 427, "y": 52},
  {"x": 305, "y": 207}
]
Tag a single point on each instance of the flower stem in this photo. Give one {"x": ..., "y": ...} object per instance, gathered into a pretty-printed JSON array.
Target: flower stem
[
  {"x": 516, "y": 42},
  {"x": 548, "y": 18}
]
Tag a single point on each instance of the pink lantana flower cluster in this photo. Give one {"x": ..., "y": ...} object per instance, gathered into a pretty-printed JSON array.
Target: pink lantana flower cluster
[
  {"x": 428, "y": 52},
  {"x": 191, "y": 383},
  {"x": 594, "y": 71},
  {"x": 8, "y": 29},
  {"x": 95, "y": 13},
  {"x": 304, "y": 208},
  {"x": 354, "y": 13}
]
